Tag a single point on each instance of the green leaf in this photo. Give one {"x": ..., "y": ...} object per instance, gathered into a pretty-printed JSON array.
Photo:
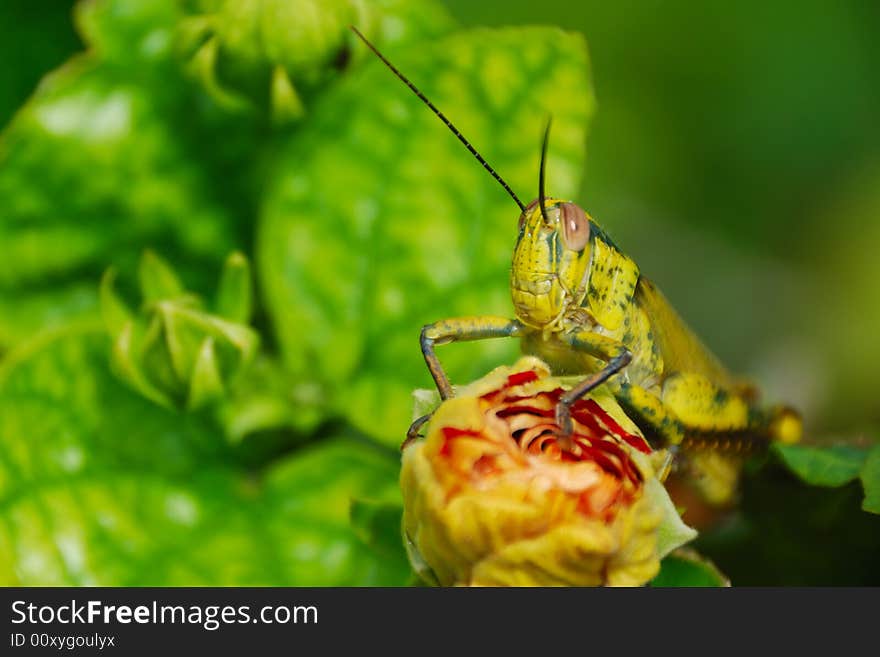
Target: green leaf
[
  {"x": 265, "y": 398},
  {"x": 100, "y": 487},
  {"x": 91, "y": 172},
  {"x": 24, "y": 311},
  {"x": 378, "y": 524},
  {"x": 69, "y": 371},
  {"x": 871, "y": 481},
  {"x": 379, "y": 222},
  {"x": 823, "y": 466},
  {"x": 128, "y": 30},
  {"x": 786, "y": 533},
  {"x": 22, "y": 29},
  {"x": 117, "y": 151},
  {"x": 687, "y": 568}
]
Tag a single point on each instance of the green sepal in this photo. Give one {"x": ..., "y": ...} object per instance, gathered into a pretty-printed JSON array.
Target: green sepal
[
  {"x": 235, "y": 292},
  {"x": 686, "y": 568},
  {"x": 672, "y": 532},
  {"x": 157, "y": 280},
  {"x": 203, "y": 67},
  {"x": 114, "y": 312},
  {"x": 125, "y": 364},
  {"x": 206, "y": 382},
  {"x": 286, "y": 104}
]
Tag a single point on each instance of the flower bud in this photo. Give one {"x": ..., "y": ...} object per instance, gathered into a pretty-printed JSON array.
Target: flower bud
[
  {"x": 247, "y": 51},
  {"x": 174, "y": 351},
  {"x": 494, "y": 497}
]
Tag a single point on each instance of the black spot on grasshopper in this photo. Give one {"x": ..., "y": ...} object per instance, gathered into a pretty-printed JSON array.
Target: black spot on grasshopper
[{"x": 597, "y": 232}]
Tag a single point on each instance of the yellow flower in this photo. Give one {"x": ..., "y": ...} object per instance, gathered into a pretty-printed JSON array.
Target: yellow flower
[{"x": 493, "y": 498}]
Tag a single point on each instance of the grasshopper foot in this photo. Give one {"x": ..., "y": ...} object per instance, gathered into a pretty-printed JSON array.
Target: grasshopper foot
[
  {"x": 563, "y": 421},
  {"x": 668, "y": 462},
  {"x": 413, "y": 432}
]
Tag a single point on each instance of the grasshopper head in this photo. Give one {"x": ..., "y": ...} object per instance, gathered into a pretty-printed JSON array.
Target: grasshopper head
[{"x": 550, "y": 262}]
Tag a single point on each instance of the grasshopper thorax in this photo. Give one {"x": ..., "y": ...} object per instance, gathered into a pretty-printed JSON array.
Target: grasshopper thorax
[{"x": 551, "y": 262}]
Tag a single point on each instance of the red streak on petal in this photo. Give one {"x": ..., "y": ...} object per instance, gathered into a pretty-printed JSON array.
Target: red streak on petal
[
  {"x": 554, "y": 394},
  {"x": 531, "y": 410},
  {"x": 450, "y": 434},
  {"x": 635, "y": 441},
  {"x": 550, "y": 398},
  {"x": 586, "y": 418},
  {"x": 587, "y": 505},
  {"x": 597, "y": 437},
  {"x": 609, "y": 446},
  {"x": 519, "y": 378},
  {"x": 602, "y": 460},
  {"x": 454, "y": 432}
]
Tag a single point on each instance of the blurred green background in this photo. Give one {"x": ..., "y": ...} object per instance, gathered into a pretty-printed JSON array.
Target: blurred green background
[{"x": 733, "y": 151}]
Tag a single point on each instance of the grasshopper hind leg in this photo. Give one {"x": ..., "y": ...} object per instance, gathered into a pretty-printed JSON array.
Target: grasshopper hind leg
[
  {"x": 692, "y": 410},
  {"x": 706, "y": 409},
  {"x": 709, "y": 429},
  {"x": 784, "y": 424},
  {"x": 652, "y": 415}
]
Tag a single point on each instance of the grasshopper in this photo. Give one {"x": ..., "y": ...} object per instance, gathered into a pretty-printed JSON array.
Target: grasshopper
[{"x": 583, "y": 306}]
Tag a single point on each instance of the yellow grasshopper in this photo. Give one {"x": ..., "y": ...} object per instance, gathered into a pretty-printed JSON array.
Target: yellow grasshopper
[{"x": 583, "y": 306}]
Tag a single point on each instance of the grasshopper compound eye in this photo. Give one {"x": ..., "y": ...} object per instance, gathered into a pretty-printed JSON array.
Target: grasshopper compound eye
[{"x": 575, "y": 226}]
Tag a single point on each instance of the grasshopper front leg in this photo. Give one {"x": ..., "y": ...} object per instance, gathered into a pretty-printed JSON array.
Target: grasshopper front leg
[
  {"x": 461, "y": 329},
  {"x": 634, "y": 399},
  {"x": 616, "y": 357},
  {"x": 458, "y": 329},
  {"x": 649, "y": 408}
]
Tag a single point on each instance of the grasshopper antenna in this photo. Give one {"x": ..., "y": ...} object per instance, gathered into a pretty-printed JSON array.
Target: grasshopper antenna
[
  {"x": 541, "y": 197},
  {"x": 440, "y": 116}
]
